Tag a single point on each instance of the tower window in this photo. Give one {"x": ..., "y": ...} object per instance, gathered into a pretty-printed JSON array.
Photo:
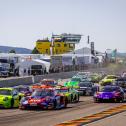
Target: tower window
[
  {"x": 47, "y": 51},
  {"x": 58, "y": 45},
  {"x": 65, "y": 45}
]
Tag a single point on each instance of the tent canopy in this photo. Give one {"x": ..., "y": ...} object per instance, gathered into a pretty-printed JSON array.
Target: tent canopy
[{"x": 28, "y": 63}]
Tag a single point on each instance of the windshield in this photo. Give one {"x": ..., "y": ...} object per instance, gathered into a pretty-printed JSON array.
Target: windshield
[
  {"x": 111, "y": 77},
  {"x": 85, "y": 84},
  {"x": 75, "y": 79},
  {"x": 62, "y": 90},
  {"x": 5, "y": 92},
  {"x": 20, "y": 89},
  {"x": 43, "y": 93},
  {"x": 110, "y": 89},
  {"x": 48, "y": 82}
]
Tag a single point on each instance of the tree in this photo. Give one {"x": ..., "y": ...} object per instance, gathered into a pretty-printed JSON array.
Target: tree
[
  {"x": 35, "y": 51},
  {"x": 12, "y": 51}
]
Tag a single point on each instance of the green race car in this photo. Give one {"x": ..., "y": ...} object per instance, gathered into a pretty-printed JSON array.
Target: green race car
[
  {"x": 73, "y": 83},
  {"x": 71, "y": 94},
  {"x": 9, "y": 98}
]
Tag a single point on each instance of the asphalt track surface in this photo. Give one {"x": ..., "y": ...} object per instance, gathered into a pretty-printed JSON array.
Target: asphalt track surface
[{"x": 86, "y": 106}]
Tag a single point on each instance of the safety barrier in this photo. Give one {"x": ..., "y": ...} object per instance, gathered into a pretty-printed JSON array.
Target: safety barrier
[{"x": 27, "y": 80}]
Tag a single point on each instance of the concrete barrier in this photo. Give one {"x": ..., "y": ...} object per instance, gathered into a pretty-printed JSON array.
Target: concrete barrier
[
  {"x": 8, "y": 82},
  {"x": 15, "y": 81}
]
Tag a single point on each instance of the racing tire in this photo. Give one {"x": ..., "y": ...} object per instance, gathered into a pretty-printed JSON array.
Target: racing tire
[
  {"x": 78, "y": 98},
  {"x": 123, "y": 99},
  {"x": 54, "y": 105},
  {"x": 75, "y": 99},
  {"x": 22, "y": 107},
  {"x": 120, "y": 100},
  {"x": 84, "y": 93},
  {"x": 65, "y": 103},
  {"x": 12, "y": 103},
  {"x": 19, "y": 98},
  {"x": 71, "y": 99}
]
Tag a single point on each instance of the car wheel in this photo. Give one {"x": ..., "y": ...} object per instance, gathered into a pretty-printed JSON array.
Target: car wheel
[
  {"x": 84, "y": 93},
  {"x": 87, "y": 93},
  {"x": 22, "y": 107},
  {"x": 65, "y": 103},
  {"x": 122, "y": 99},
  {"x": 78, "y": 98},
  {"x": 12, "y": 103},
  {"x": 71, "y": 98},
  {"x": 19, "y": 98},
  {"x": 54, "y": 105}
]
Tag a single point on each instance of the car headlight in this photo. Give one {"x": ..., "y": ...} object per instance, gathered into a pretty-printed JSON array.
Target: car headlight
[
  {"x": 47, "y": 99},
  {"x": 5, "y": 99},
  {"x": 25, "y": 102}
]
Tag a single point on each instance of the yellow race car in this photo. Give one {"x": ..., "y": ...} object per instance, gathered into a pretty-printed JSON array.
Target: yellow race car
[
  {"x": 108, "y": 80},
  {"x": 9, "y": 98}
]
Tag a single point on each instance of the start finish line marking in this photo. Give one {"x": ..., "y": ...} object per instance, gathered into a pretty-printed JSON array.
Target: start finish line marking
[{"x": 94, "y": 117}]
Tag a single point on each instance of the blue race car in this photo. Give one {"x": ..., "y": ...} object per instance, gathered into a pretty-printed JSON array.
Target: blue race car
[
  {"x": 114, "y": 93},
  {"x": 44, "y": 99}
]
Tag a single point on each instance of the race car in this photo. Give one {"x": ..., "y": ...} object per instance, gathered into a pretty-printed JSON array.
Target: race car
[
  {"x": 87, "y": 88},
  {"x": 73, "y": 83},
  {"x": 71, "y": 94},
  {"x": 39, "y": 86},
  {"x": 121, "y": 82},
  {"x": 108, "y": 80},
  {"x": 49, "y": 82},
  {"x": 44, "y": 99},
  {"x": 113, "y": 93},
  {"x": 45, "y": 83},
  {"x": 26, "y": 90},
  {"x": 9, "y": 98},
  {"x": 75, "y": 95},
  {"x": 35, "y": 86},
  {"x": 95, "y": 77}
]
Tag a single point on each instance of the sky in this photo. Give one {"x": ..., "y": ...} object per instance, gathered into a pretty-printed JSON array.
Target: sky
[{"x": 23, "y": 22}]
